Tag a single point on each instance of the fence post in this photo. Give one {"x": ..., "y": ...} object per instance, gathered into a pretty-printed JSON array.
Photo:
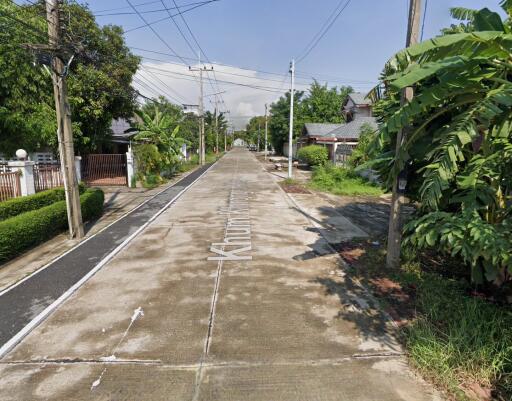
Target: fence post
[
  {"x": 26, "y": 169},
  {"x": 78, "y": 168},
  {"x": 130, "y": 167}
]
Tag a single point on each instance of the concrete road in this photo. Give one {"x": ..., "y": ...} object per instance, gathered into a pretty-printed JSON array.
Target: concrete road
[{"x": 230, "y": 294}]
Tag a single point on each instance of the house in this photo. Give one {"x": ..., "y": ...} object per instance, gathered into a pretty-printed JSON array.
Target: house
[
  {"x": 340, "y": 139},
  {"x": 120, "y": 138},
  {"x": 356, "y": 105}
]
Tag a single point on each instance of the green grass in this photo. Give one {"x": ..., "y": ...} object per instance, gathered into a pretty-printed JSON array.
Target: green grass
[
  {"x": 455, "y": 339},
  {"x": 342, "y": 181}
]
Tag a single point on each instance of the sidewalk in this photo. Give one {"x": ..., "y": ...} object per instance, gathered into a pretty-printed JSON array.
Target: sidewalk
[
  {"x": 231, "y": 294},
  {"x": 118, "y": 201}
]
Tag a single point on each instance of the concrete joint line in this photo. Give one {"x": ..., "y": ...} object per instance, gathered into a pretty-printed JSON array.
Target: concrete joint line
[
  {"x": 205, "y": 365},
  {"x": 9, "y": 345},
  {"x": 213, "y": 305}
]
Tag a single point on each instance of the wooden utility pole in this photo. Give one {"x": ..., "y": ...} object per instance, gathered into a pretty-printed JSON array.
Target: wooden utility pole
[
  {"x": 202, "y": 147},
  {"x": 395, "y": 223},
  {"x": 216, "y": 130},
  {"x": 64, "y": 132}
]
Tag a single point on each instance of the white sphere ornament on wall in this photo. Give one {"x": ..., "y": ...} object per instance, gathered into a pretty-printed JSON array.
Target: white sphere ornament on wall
[{"x": 21, "y": 154}]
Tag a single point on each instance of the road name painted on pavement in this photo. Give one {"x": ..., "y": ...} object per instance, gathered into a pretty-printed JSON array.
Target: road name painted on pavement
[{"x": 237, "y": 236}]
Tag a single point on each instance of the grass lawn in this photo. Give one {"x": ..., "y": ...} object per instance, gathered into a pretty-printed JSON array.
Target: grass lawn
[
  {"x": 455, "y": 336},
  {"x": 341, "y": 181}
]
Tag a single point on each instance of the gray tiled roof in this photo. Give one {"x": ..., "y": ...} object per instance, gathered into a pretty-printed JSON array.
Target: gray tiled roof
[
  {"x": 119, "y": 128},
  {"x": 359, "y": 98},
  {"x": 352, "y": 129},
  {"x": 319, "y": 129}
]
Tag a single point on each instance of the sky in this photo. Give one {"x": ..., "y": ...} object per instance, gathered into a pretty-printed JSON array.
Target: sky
[{"x": 245, "y": 40}]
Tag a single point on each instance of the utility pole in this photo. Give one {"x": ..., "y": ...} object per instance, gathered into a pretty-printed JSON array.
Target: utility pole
[
  {"x": 202, "y": 147},
  {"x": 290, "y": 135},
  {"x": 266, "y": 131},
  {"x": 216, "y": 130},
  {"x": 397, "y": 199},
  {"x": 259, "y": 130},
  {"x": 63, "y": 111}
]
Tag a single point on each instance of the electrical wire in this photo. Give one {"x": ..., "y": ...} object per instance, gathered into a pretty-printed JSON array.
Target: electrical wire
[
  {"x": 309, "y": 48},
  {"x": 103, "y": 14},
  {"x": 148, "y": 24}
]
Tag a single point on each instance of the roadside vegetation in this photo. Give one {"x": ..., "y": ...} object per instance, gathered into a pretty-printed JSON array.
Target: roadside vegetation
[
  {"x": 342, "y": 181},
  {"x": 453, "y": 292},
  {"x": 453, "y": 334},
  {"x": 30, "y": 220}
]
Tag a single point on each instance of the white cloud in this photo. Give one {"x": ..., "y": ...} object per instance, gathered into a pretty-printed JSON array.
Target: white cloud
[{"x": 179, "y": 85}]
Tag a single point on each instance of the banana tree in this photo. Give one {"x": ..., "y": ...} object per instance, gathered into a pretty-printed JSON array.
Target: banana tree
[
  {"x": 162, "y": 132},
  {"x": 459, "y": 143}
]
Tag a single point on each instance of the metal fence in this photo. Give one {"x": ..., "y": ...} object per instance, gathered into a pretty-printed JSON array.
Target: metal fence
[
  {"x": 4, "y": 167},
  {"x": 10, "y": 186},
  {"x": 99, "y": 169},
  {"x": 47, "y": 176}
]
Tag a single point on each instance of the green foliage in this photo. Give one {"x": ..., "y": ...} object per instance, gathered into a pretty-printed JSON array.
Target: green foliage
[
  {"x": 214, "y": 123},
  {"x": 22, "y": 204},
  {"x": 255, "y": 128},
  {"x": 458, "y": 149},
  {"x": 99, "y": 87},
  {"x": 455, "y": 339},
  {"x": 484, "y": 246},
  {"x": 320, "y": 105},
  {"x": 342, "y": 181},
  {"x": 148, "y": 160},
  {"x": 160, "y": 149},
  {"x": 151, "y": 181},
  {"x": 314, "y": 155},
  {"x": 363, "y": 151},
  {"x": 31, "y": 228}
]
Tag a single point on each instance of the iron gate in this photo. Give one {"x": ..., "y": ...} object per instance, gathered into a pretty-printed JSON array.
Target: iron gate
[{"x": 99, "y": 169}]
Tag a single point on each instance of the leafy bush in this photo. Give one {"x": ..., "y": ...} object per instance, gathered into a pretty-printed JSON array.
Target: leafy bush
[
  {"x": 342, "y": 181},
  {"x": 152, "y": 181},
  {"x": 314, "y": 155},
  {"x": 31, "y": 228},
  {"x": 22, "y": 204},
  {"x": 148, "y": 159},
  {"x": 482, "y": 245}
]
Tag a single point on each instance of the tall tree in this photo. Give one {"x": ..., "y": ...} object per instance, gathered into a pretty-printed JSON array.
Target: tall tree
[
  {"x": 99, "y": 79},
  {"x": 323, "y": 104}
]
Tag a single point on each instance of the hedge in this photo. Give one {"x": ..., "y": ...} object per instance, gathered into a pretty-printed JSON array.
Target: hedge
[
  {"x": 314, "y": 155},
  {"x": 29, "y": 229},
  {"x": 22, "y": 204}
]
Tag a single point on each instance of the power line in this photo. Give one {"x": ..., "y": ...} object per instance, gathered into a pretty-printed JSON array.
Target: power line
[
  {"x": 104, "y": 14},
  {"x": 148, "y": 24},
  {"x": 259, "y": 87},
  {"x": 311, "y": 47},
  {"x": 199, "y": 46},
  {"x": 177, "y": 97},
  {"x": 156, "y": 33}
]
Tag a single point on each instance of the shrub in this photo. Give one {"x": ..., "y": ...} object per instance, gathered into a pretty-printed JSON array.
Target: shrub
[
  {"x": 31, "y": 228},
  {"x": 314, "y": 155},
  {"x": 16, "y": 206},
  {"x": 342, "y": 181}
]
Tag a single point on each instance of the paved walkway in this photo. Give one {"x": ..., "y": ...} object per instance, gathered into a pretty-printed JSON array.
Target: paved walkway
[{"x": 230, "y": 294}]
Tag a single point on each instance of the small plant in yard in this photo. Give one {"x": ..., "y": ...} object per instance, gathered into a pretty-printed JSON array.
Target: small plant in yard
[
  {"x": 458, "y": 339},
  {"x": 314, "y": 155},
  {"x": 342, "y": 181}
]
